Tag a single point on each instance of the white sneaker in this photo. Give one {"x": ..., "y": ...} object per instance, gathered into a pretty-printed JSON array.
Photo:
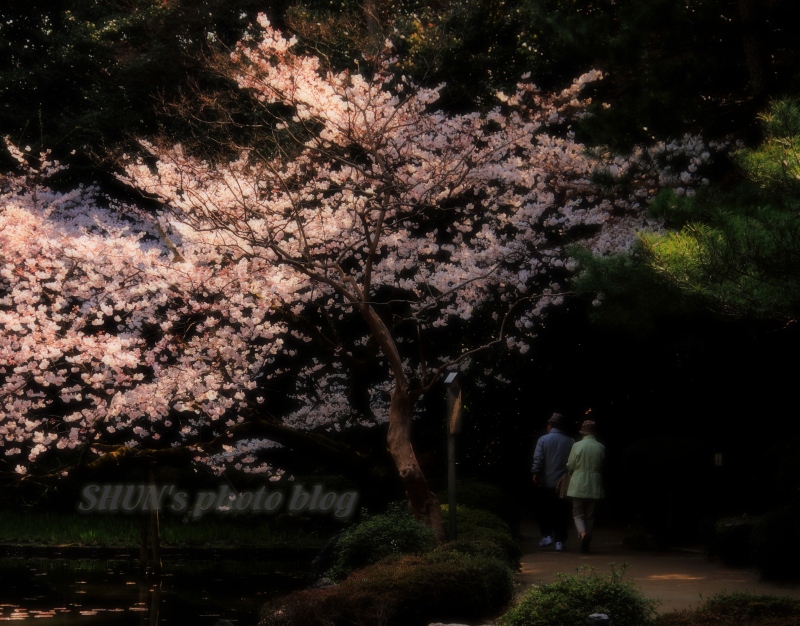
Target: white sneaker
[
  {"x": 546, "y": 541},
  {"x": 559, "y": 547}
]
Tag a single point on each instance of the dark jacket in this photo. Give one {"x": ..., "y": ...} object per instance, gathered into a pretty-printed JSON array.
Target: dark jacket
[{"x": 550, "y": 456}]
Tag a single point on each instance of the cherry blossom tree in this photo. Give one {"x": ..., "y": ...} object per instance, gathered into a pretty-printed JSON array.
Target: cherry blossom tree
[{"x": 338, "y": 264}]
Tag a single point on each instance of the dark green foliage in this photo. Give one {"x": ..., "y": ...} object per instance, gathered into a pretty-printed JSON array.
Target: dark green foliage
[
  {"x": 746, "y": 606},
  {"x": 570, "y": 600},
  {"x": 392, "y": 533},
  {"x": 742, "y": 260},
  {"x": 734, "y": 250},
  {"x": 407, "y": 591},
  {"x": 83, "y": 74},
  {"x": 634, "y": 297},
  {"x": 475, "y": 47},
  {"x": 124, "y": 531},
  {"x": 730, "y": 540},
  {"x": 775, "y": 165},
  {"x": 773, "y": 546},
  {"x": 478, "y": 529},
  {"x": 671, "y": 65},
  {"x": 733, "y": 609},
  {"x": 459, "y": 580},
  {"x": 738, "y": 251}
]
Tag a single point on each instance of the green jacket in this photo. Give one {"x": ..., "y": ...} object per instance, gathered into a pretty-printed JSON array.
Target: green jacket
[{"x": 585, "y": 461}]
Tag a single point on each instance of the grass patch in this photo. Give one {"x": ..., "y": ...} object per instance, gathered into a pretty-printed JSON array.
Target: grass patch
[
  {"x": 734, "y": 609},
  {"x": 119, "y": 531}
]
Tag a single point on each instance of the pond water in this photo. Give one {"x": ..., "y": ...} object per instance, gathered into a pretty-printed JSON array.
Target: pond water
[{"x": 97, "y": 592}]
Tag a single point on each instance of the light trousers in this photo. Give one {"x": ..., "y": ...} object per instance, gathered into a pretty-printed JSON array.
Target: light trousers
[{"x": 583, "y": 514}]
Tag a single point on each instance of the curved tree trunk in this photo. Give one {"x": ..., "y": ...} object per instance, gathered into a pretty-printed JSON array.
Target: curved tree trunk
[{"x": 424, "y": 504}]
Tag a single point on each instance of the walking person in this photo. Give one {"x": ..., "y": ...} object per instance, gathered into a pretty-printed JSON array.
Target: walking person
[
  {"x": 586, "y": 485},
  {"x": 549, "y": 463}
]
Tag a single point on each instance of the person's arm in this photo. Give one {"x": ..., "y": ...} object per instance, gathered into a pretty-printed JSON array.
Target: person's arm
[
  {"x": 538, "y": 459},
  {"x": 573, "y": 457}
]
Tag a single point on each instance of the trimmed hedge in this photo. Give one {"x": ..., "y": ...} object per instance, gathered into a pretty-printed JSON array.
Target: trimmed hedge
[
  {"x": 572, "y": 598},
  {"x": 466, "y": 579},
  {"x": 733, "y": 609},
  {"x": 481, "y": 532},
  {"x": 402, "y": 591},
  {"x": 374, "y": 538}
]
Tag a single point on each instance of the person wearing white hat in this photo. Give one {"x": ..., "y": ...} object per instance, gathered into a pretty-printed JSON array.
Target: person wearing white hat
[{"x": 586, "y": 484}]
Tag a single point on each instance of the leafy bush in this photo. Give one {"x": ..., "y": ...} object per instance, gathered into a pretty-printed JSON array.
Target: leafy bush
[
  {"x": 402, "y": 591},
  {"x": 394, "y": 532},
  {"x": 732, "y": 609},
  {"x": 481, "y": 532},
  {"x": 730, "y": 540},
  {"x": 746, "y": 606},
  {"x": 574, "y": 597},
  {"x": 773, "y": 545}
]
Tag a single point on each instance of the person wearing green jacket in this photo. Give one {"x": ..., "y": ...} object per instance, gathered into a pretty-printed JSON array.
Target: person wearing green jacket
[{"x": 586, "y": 483}]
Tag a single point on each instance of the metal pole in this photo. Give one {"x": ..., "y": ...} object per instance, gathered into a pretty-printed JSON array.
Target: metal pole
[
  {"x": 451, "y": 483},
  {"x": 453, "y": 428}
]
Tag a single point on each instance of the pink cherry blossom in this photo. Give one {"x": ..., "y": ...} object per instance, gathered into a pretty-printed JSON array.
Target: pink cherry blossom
[{"x": 386, "y": 222}]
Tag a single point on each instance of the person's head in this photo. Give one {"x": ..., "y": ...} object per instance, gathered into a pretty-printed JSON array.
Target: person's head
[
  {"x": 588, "y": 428},
  {"x": 555, "y": 421}
]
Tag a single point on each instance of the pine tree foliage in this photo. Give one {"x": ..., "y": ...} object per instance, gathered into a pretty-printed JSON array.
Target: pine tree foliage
[{"x": 734, "y": 251}]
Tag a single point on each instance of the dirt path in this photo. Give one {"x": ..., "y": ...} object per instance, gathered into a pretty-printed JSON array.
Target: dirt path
[{"x": 679, "y": 579}]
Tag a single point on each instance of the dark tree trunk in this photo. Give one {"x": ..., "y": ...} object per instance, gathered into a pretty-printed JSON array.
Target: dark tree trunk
[{"x": 424, "y": 504}]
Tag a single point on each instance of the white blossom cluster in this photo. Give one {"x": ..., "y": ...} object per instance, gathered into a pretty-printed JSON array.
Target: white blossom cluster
[{"x": 106, "y": 339}]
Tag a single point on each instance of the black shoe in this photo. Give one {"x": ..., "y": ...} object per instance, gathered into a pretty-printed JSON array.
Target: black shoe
[{"x": 585, "y": 544}]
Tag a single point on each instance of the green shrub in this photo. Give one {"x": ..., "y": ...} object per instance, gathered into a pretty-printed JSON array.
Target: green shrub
[
  {"x": 476, "y": 530},
  {"x": 730, "y": 540},
  {"x": 485, "y": 548},
  {"x": 402, "y": 591},
  {"x": 394, "y": 532},
  {"x": 733, "y": 609},
  {"x": 572, "y": 598},
  {"x": 746, "y": 606},
  {"x": 774, "y": 546}
]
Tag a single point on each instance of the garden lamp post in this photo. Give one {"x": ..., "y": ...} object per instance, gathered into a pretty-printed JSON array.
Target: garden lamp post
[{"x": 454, "y": 414}]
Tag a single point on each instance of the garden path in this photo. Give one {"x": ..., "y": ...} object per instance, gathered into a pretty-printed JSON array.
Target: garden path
[{"x": 680, "y": 579}]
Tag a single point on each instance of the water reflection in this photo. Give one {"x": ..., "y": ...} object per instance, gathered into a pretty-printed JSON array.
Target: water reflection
[{"x": 98, "y": 592}]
